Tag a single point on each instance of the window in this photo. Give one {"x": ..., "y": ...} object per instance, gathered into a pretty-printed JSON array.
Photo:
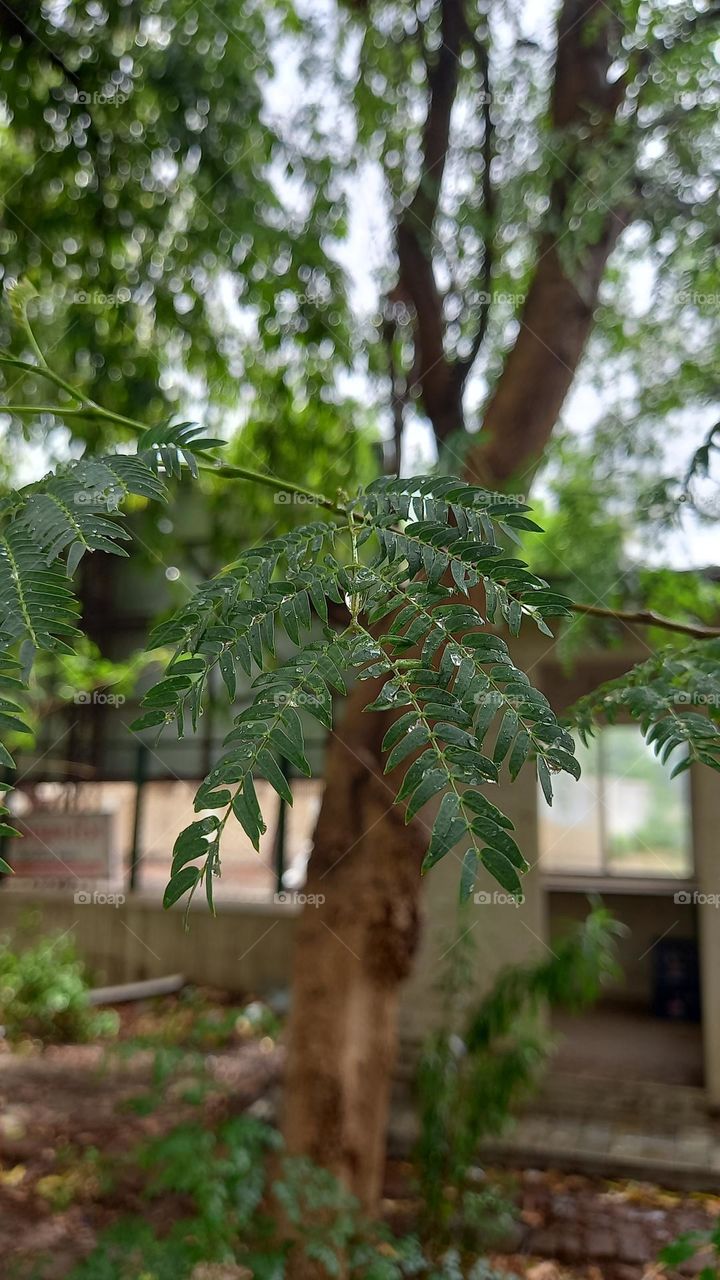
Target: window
[
  {"x": 166, "y": 807},
  {"x": 625, "y": 817}
]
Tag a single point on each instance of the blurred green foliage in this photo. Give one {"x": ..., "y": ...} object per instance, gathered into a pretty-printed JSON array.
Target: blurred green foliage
[
  {"x": 153, "y": 174},
  {"x": 243, "y": 1216},
  {"x": 43, "y": 991},
  {"x": 179, "y": 233},
  {"x": 468, "y": 1080}
]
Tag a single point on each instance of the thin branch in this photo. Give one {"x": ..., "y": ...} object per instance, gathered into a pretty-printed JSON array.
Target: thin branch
[
  {"x": 648, "y": 618},
  {"x": 57, "y": 410},
  {"x": 212, "y": 465},
  {"x": 488, "y": 194},
  {"x": 398, "y": 388},
  {"x": 231, "y": 472}
]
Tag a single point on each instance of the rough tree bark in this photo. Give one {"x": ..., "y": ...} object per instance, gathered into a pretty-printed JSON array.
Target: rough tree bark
[{"x": 353, "y": 951}]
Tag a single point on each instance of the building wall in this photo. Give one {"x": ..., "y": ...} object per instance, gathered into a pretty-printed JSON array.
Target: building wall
[
  {"x": 706, "y": 836},
  {"x": 246, "y": 948},
  {"x": 498, "y": 931},
  {"x": 249, "y": 945}
]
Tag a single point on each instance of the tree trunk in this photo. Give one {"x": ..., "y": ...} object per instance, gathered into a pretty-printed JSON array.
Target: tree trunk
[{"x": 356, "y": 939}]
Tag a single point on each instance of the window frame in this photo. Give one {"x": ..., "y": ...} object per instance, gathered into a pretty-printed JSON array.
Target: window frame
[{"x": 604, "y": 877}]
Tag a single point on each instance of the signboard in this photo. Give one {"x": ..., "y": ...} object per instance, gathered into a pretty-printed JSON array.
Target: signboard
[{"x": 63, "y": 847}]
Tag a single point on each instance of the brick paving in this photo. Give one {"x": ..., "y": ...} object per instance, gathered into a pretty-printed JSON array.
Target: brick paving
[
  {"x": 621, "y": 1230},
  {"x": 656, "y": 1132}
]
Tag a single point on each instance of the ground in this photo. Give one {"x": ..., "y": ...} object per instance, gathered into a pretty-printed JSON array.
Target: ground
[{"x": 71, "y": 1115}]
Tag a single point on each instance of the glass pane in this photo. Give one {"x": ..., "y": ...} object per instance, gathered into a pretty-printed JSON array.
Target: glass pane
[
  {"x": 647, "y": 815},
  {"x": 570, "y": 831}
]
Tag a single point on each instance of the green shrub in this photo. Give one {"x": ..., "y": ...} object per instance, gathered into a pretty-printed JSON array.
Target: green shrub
[
  {"x": 238, "y": 1213},
  {"x": 43, "y": 992},
  {"x": 467, "y": 1083}
]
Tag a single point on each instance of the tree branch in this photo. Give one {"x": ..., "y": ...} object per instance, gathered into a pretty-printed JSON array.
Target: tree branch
[
  {"x": 398, "y": 389},
  {"x": 557, "y": 315},
  {"x": 437, "y": 376},
  {"x": 648, "y": 618},
  {"x": 488, "y": 194}
]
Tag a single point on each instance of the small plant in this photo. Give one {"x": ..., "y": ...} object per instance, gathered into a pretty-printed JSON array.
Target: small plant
[
  {"x": 194, "y": 1021},
  {"x": 243, "y": 1217},
  {"x": 43, "y": 993},
  {"x": 171, "y": 1065},
  {"x": 467, "y": 1084},
  {"x": 489, "y": 1215},
  {"x": 698, "y": 1246}
]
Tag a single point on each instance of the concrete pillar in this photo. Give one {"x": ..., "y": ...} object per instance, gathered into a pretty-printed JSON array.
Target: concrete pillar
[{"x": 705, "y": 791}]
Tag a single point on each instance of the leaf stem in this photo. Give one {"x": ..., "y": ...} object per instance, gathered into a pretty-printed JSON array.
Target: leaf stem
[
  {"x": 355, "y": 598},
  {"x": 31, "y": 335},
  {"x": 43, "y": 371},
  {"x": 89, "y": 408},
  {"x": 58, "y": 411},
  {"x": 231, "y": 472}
]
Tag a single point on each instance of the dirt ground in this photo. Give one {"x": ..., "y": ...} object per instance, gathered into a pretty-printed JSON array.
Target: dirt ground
[{"x": 69, "y": 1114}]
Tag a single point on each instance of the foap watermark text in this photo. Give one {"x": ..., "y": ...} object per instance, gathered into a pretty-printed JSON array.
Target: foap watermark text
[
  {"x": 97, "y": 898},
  {"x": 496, "y": 898},
  {"x": 694, "y": 898},
  {"x": 294, "y": 899},
  {"x": 98, "y": 698}
]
